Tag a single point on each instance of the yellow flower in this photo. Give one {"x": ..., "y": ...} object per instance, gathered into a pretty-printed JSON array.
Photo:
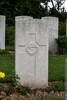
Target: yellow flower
[{"x": 2, "y": 75}]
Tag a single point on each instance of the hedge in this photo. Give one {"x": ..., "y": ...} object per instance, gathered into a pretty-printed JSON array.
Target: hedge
[{"x": 62, "y": 44}]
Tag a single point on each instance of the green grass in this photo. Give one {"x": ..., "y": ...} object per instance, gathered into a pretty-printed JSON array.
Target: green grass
[
  {"x": 50, "y": 98},
  {"x": 56, "y": 66},
  {"x": 7, "y": 64}
]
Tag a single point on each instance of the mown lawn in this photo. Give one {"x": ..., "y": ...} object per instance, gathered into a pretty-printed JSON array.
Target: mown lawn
[
  {"x": 56, "y": 66},
  {"x": 7, "y": 64}
]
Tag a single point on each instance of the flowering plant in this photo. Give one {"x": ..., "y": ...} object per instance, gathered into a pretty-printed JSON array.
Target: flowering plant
[{"x": 2, "y": 75}]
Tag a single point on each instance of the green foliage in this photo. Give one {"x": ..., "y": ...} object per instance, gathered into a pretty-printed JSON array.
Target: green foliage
[
  {"x": 14, "y": 8},
  {"x": 4, "y": 52},
  {"x": 62, "y": 28},
  {"x": 56, "y": 86},
  {"x": 13, "y": 78},
  {"x": 10, "y": 48},
  {"x": 23, "y": 90},
  {"x": 11, "y": 42},
  {"x": 21, "y": 7},
  {"x": 10, "y": 35},
  {"x": 62, "y": 44}
]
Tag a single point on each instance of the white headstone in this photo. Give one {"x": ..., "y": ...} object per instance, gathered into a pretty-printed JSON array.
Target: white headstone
[
  {"x": 2, "y": 32},
  {"x": 53, "y": 33},
  {"x": 31, "y": 59}
]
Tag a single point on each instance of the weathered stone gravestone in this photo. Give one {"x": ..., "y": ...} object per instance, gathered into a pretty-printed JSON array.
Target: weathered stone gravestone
[
  {"x": 53, "y": 33},
  {"x": 31, "y": 59},
  {"x": 2, "y": 32}
]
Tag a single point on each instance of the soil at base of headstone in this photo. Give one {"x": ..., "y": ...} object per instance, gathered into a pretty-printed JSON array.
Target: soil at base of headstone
[{"x": 9, "y": 92}]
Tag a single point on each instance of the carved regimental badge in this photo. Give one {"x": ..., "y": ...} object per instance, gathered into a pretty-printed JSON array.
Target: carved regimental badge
[{"x": 32, "y": 48}]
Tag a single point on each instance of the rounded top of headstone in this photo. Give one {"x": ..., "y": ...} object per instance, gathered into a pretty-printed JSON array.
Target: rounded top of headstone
[
  {"x": 2, "y": 16},
  {"x": 50, "y": 18},
  {"x": 18, "y": 18}
]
